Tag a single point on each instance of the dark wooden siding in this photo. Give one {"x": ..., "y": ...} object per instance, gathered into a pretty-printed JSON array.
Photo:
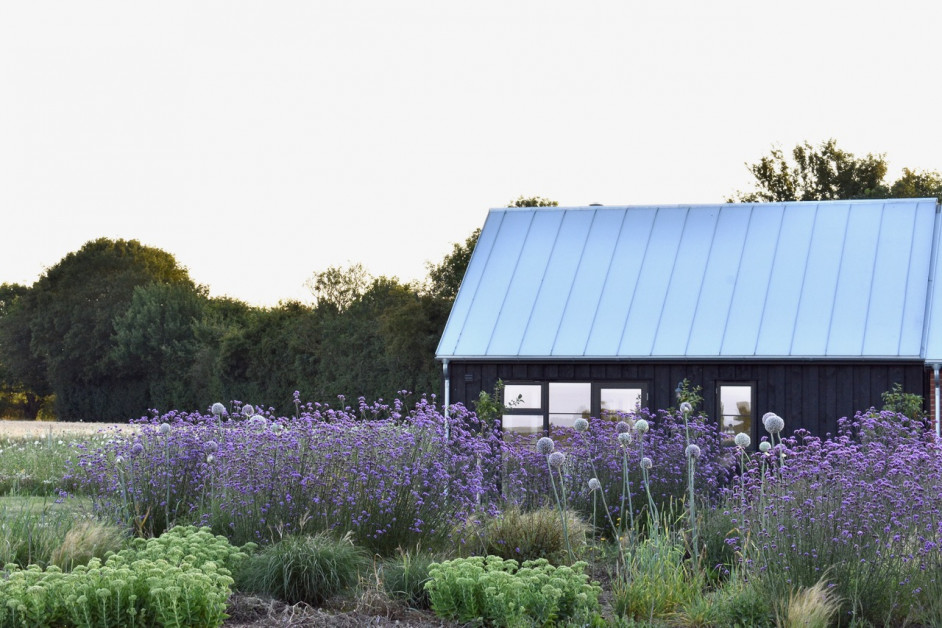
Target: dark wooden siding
[{"x": 807, "y": 394}]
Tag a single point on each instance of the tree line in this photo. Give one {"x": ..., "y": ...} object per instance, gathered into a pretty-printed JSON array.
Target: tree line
[{"x": 118, "y": 328}]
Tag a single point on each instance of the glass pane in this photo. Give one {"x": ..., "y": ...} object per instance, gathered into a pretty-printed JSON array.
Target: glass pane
[
  {"x": 735, "y": 409},
  {"x": 620, "y": 400},
  {"x": 522, "y": 423},
  {"x": 569, "y": 401},
  {"x": 523, "y": 396}
]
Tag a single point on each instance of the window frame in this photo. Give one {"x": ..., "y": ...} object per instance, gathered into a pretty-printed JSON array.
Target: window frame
[
  {"x": 597, "y": 387},
  {"x": 753, "y": 387}
]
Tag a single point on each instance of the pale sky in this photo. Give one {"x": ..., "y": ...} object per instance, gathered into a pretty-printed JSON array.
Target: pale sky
[{"x": 259, "y": 142}]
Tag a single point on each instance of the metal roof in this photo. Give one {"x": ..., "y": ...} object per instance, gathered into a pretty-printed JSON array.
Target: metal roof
[{"x": 839, "y": 279}]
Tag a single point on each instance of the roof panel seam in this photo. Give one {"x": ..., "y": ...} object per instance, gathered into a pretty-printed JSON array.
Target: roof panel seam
[
  {"x": 575, "y": 274},
  {"x": 634, "y": 289},
  {"x": 837, "y": 279},
  {"x": 909, "y": 269},
  {"x": 660, "y": 316},
  {"x": 804, "y": 278},
  {"x": 510, "y": 282},
  {"x": 696, "y": 308},
  {"x": 930, "y": 285},
  {"x": 768, "y": 284},
  {"x": 608, "y": 272},
  {"x": 732, "y": 297},
  {"x": 863, "y": 339},
  {"x": 539, "y": 291}
]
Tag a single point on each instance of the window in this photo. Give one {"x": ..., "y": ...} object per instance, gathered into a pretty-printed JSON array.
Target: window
[
  {"x": 620, "y": 397},
  {"x": 569, "y": 401},
  {"x": 524, "y": 403},
  {"x": 736, "y": 401}
]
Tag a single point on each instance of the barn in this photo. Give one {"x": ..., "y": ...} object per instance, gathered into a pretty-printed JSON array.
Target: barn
[{"x": 808, "y": 309}]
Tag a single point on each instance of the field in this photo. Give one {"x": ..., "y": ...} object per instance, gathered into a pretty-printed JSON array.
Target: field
[{"x": 46, "y": 429}]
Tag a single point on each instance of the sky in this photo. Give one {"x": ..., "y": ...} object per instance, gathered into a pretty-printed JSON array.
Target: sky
[{"x": 261, "y": 142}]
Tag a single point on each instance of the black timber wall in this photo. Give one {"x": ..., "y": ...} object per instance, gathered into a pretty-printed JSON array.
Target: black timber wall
[{"x": 807, "y": 394}]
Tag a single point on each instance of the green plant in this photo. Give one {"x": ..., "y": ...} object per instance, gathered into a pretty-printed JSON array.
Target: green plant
[
  {"x": 735, "y": 604},
  {"x": 657, "y": 581},
  {"x": 306, "y": 569},
  {"x": 810, "y": 607},
  {"x": 505, "y": 593},
  {"x": 86, "y": 540},
  {"x": 404, "y": 577},
  {"x": 688, "y": 393},
  {"x": 33, "y": 529},
  {"x": 529, "y": 535},
  {"x": 908, "y": 404}
]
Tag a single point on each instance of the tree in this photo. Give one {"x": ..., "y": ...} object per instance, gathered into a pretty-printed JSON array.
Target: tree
[
  {"x": 532, "y": 201},
  {"x": 69, "y": 316},
  {"x": 443, "y": 279},
  {"x": 917, "y": 185},
  {"x": 338, "y": 287},
  {"x": 816, "y": 174}
]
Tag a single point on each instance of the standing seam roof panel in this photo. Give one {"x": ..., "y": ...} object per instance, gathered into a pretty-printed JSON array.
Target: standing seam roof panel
[{"x": 920, "y": 265}]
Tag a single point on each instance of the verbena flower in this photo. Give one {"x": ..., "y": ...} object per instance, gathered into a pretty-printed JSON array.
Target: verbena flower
[
  {"x": 580, "y": 425},
  {"x": 774, "y": 424},
  {"x": 545, "y": 445},
  {"x": 692, "y": 451},
  {"x": 594, "y": 484},
  {"x": 218, "y": 409},
  {"x": 625, "y": 438},
  {"x": 646, "y": 463},
  {"x": 642, "y": 426},
  {"x": 742, "y": 440},
  {"x": 556, "y": 459},
  {"x": 686, "y": 407}
]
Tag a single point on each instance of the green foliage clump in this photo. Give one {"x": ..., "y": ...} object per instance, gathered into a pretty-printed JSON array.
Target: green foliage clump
[
  {"x": 658, "y": 581},
  {"x": 306, "y": 569},
  {"x": 529, "y": 535},
  {"x": 404, "y": 577},
  {"x": 181, "y": 578},
  {"x": 505, "y": 593},
  {"x": 908, "y": 404}
]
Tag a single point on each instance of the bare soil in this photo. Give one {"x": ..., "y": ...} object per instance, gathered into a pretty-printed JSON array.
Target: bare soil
[{"x": 247, "y": 611}]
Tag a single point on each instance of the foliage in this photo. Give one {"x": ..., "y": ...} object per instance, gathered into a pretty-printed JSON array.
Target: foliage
[
  {"x": 810, "y": 607},
  {"x": 338, "y": 288},
  {"x": 36, "y": 466},
  {"x": 907, "y": 404},
  {"x": 35, "y": 531},
  {"x": 528, "y": 535},
  {"x": 179, "y": 579},
  {"x": 405, "y": 574},
  {"x": 859, "y": 507},
  {"x": 444, "y": 278},
  {"x": 690, "y": 394},
  {"x": 532, "y": 201},
  {"x": 657, "y": 583},
  {"x": 392, "y": 476},
  {"x": 827, "y": 172},
  {"x": 507, "y": 593},
  {"x": 301, "y": 568}
]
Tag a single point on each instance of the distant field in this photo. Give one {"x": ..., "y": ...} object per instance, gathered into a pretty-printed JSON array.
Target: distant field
[{"x": 34, "y": 429}]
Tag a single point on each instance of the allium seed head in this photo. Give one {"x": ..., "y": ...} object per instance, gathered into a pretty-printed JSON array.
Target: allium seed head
[
  {"x": 137, "y": 449},
  {"x": 248, "y": 410},
  {"x": 641, "y": 426},
  {"x": 210, "y": 459},
  {"x": 742, "y": 440},
  {"x": 625, "y": 438},
  {"x": 686, "y": 407},
  {"x": 692, "y": 451},
  {"x": 210, "y": 446},
  {"x": 164, "y": 428},
  {"x": 258, "y": 422},
  {"x": 545, "y": 446},
  {"x": 277, "y": 428},
  {"x": 774, "y": 424},
  {"x": 580, "y": 425},
  {"x": 646, "y": 463},
  {"x": 556, "y": 459},
  {"x": 623, "y": 426},
  {"x": 765, "y": 417},
  {"x": 119, "y": 460},
  {"x": 594, "y": 484},
  {"x": 218, "y": 409},
  {"x": 764, "y": 446}
]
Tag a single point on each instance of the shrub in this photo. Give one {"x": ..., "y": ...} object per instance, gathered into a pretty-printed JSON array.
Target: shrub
[
  {"x": 521, "y": 535},
  {"x": 306, "y": 569},
  {"x": 179, "y": 579},
  {"x": 404, "y": 577},
  {"x": 507, "y": 593},
  {"x": 658, "y": 581}
]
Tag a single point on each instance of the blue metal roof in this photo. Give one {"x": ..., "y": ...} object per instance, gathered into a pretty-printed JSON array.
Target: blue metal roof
[{"x": 840, "y": 279}]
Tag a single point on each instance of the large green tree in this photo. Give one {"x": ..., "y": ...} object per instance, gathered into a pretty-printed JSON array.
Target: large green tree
[
  {"x": 69, "y": 314},
  {"x": 827, "y": 172}
]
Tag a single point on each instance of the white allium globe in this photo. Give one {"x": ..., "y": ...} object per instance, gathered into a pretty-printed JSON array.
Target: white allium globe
[
  {"x": 545, "y": 446},
  {"x": 642, "y": 426},
  {"x": 742, "y": 440}
]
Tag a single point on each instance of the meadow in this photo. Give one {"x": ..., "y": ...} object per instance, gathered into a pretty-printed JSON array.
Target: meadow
[{"x": 655, "y": 519}]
